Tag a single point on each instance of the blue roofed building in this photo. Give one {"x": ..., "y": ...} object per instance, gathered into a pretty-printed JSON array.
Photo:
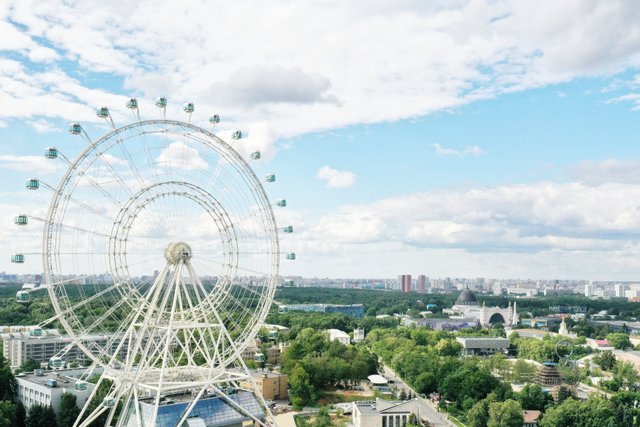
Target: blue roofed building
[{"x": 207, "y": 412}]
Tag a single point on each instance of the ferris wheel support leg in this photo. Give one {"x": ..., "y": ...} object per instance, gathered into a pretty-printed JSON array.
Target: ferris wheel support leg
[
  {"x": 245, "y": 368},
  {"x": 177, "y": 276},
  {"x": 226, "y": 335}
]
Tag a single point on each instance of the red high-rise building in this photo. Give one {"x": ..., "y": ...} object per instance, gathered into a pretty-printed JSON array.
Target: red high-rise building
[{"x": 405, "y": 282}]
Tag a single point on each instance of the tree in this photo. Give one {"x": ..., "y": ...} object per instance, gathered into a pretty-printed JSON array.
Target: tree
[
  {"x": 68, "y": 411},
  {"x": 323, "y": 419},
  {"x": 426, "y": 383},
  {"x": 478, "y": 415},
  {"x": 7, "y": 414},
  {"x": 8, "y": 383},
  {"x": 21, "y": 415},
  {"x": 564, "y": 393},
  {"x": 606, "y": 360},
  {"x": 533, "y": 397},
  {"x": 29, "y": 365},
  {"x": 505, "y": 414},
  {"x": 523, "y": 371},
  {"x": 595, "y": 412},
  {"x": 300, "y": 388},
  {"x": 41, "y": 416},
  {"x": 619, "y": 341},
  {"x": 625, "y": 374}
]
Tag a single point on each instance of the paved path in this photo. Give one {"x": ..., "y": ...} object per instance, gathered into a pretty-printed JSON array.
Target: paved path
[
  {"x": 285, "y": 420},
  {"x": 438, "y": 419}
]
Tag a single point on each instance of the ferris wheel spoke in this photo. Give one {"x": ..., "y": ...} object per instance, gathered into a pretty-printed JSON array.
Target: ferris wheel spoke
[
  {"x": 82, "y": 303},
  {"x": 114, "y": 308}
]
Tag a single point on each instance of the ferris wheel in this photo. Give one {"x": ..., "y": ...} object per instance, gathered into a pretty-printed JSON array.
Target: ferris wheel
[{"x": 161, "y": 257}]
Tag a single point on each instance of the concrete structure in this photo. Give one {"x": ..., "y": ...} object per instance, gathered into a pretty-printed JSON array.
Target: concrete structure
[
  {"x": 352, "y": 310},
  {"x": 548, "y": 376},
  {"x": 467, "y": 307},
  {"x": 358, "y": 335},
  {"x": 47, "y": 387},
  {"x": 531, "y": 418},
  {"x": 274, "y": 355},
  {"x": 632, "y": 357},
  {"x": 483, "y": 346},
  {"x": 340, "y": 336},
  {"x": 41, "y": 345},
  {"x": 272, "y": 385},
  {"x": 387, "y": 413},
  {"x": 619, "y": 326}
]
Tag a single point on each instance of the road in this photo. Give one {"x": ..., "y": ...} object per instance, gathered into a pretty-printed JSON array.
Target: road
[{"x": 438, "y": 419}]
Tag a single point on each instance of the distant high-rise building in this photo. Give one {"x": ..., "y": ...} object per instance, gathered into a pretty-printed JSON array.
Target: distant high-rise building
[
  {"x": 404, "y": 282},
  {"x": 422, "y": 283},
  {"x": 620, "y": 290},
  {"x": 588, "y": 290}
]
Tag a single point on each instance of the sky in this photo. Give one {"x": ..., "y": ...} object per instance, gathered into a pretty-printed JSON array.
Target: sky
[{"x": 448, "y": 138}]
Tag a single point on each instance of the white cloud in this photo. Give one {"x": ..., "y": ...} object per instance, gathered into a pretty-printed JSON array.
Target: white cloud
[
  {"x": 335, "y": 178},
  {"x": 611, "y": 170},
  {"x": 430, "y": 57},
  {"x": 37, "y": 164},
  {"x": 180, "y": 155},
  {"x": 541, "y": 230},
  {"x": 470, "y": 150},
  {"x": 43, "y": 126}
]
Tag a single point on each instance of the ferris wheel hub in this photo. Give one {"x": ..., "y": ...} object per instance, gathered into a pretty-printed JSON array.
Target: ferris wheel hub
[{"x": 176, "y": 252}]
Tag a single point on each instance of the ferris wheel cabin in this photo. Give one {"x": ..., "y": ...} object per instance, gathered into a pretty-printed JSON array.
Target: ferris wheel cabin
[
  {"x": 33, "y": 184},
  {"x": 75, "y": 129},
  {"x": 23, "y": 296},
  {"x": 132, "y": 104},
  {"x": 17, "y": 258},
  {"x": 51, "y": 153},
  {"x": 21, "y": 220},
  {"x": 102, "y": 112},
  {"x": 189, "y": 107},
  {"x": 36, "y": 332},
  {"x": 56, "y": 362},
  {"x": 80, "y": 386}
]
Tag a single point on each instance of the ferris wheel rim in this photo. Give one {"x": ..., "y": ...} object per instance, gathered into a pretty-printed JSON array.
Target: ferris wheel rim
[{"x": 51, "y": 233}]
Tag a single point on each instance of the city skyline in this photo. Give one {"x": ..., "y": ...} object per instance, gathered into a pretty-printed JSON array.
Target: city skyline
[{"x": 468, "y": 139}]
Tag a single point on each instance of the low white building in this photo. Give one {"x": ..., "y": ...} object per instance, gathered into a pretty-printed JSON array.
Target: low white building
[
  {"x": 387, "y": 413},
  {"x": 340, "y": 336},
  {"x": 47, "y": 387},
  {"x": 358, "y": 334}
]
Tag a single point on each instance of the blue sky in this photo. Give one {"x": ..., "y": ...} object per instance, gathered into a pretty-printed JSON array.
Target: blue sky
[{"x": 471, "y": 138}]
